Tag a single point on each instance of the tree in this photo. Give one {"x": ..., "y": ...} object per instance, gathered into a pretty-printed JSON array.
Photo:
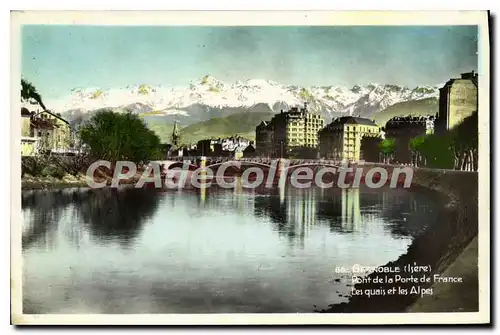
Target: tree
[
  {"x": 464, "y": 143},
  {"x": 29, "y": 92},
  {"x": 455, "y": 149},
  {"x": 120, "y": 136},
  {"x": 416, "y": 146},
  {"x": 387, "y": 148},
  {"x": 437, "y": 153}
]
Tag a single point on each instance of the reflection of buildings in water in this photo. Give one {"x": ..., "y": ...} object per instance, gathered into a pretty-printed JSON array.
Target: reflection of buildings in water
[
  {"x": 293, "y": 215},
  {"x": 203, "y": 195},
  {"x": 345, "y": 210},
  {"x": 236, "y": 198},
  {"x": 282, "y": 191},
  {"x": 351, "y": 211},
  {"x": 301, "y": 214},
  {"x": 243, "y": 197},
  {"x": 238, "y": 186},
  {"x": 71, "y": 229}
]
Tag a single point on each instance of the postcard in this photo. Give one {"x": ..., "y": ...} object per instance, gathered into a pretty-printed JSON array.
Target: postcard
[{"x": 250, "y": 168}]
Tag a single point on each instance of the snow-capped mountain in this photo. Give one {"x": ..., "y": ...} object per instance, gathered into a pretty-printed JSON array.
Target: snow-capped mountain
[{"x": 210, "y": 97}]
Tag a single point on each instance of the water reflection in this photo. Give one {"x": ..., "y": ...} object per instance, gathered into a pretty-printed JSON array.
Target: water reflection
[
  {"x": 118, "y": 215},
  {"x": 295, "y": 211},
  {"x": 207, "y": 250},
  {"x": 110, "y": 215}
]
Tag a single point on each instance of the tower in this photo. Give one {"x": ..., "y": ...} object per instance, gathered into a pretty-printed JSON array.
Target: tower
[
  {"x": 458, "y": 99},
  {"x": 175, "y": 135}
]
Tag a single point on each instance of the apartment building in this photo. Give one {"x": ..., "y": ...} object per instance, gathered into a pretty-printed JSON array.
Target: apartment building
[
  {"x": 341, "y": 139},
  {"x": 292, "y": 133},
  {"x": 458, "y": 99}
]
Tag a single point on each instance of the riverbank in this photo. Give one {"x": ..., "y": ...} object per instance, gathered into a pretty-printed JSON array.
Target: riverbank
[
  {"x": 29, "y": 182},
  {"x": 439, "y": 246},
  {"x": 450, "y": 296}
]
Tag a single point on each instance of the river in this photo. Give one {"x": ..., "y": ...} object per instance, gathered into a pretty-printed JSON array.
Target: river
[{"x": 208, "y": 251}]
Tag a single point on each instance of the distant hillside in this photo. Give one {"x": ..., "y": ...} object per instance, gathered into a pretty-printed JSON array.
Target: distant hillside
[
  {"x": 422, "y": 107},
  {"x": 163, "y": 130},
  {"x": 242, "y": 124}
]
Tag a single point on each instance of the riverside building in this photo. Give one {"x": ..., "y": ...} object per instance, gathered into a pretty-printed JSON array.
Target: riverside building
[
  {"x": 341, "y": 139},
  {"x": 458, "y": 99},
  {"x": 290, "y": 134}
]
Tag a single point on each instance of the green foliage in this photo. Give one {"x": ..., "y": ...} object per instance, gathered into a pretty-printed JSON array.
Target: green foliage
[
  {"x": 213, "y": 89},
  {"x": 53, "y": 170},
  {"x": 54, "y": 166},
  {"x": 437, "y": 151},
  {"x": 465, "y": 135},
  {"x": 416, "y": 143},
  {"x": 120, "y": 136},
  {"x": 33, "y": 165},
  {"x": 442, "y": 151},
  {"x": 77, "y": 164},
  {"x": 28, "y": 91},
  {"x": 387, "y": 146}
]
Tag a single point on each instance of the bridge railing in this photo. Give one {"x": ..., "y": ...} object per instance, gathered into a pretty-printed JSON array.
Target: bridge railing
[{"x": 261, "y": 160}]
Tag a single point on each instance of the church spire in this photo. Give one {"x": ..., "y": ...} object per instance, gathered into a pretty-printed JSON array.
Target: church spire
[{"x": 175, "y": 135}]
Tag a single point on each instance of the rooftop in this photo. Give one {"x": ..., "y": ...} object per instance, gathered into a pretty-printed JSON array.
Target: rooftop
[
  {"x": 354, "y": 120},
  {"x": 410, "y": 119},
  {"x": 25, "y": 111},
  {"x": 463, "y": 76}
]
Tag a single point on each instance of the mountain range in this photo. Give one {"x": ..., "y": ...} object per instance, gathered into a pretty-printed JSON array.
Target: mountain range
[{"x": 210, "y": 98}]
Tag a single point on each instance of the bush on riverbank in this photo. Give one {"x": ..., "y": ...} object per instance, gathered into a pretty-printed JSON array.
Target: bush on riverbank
[{"x": 54, "y": 166}]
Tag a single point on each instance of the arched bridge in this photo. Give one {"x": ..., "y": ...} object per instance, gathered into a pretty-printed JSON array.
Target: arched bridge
[
  {"x": 195, "y": 162},
  {"x": 237, "y": 167}
]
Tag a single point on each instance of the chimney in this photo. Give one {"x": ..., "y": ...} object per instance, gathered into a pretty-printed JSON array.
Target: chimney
[{"x": 469, "y": 75}]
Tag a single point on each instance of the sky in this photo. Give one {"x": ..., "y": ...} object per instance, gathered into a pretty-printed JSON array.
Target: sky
[{"x": 58, "y": 58}]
